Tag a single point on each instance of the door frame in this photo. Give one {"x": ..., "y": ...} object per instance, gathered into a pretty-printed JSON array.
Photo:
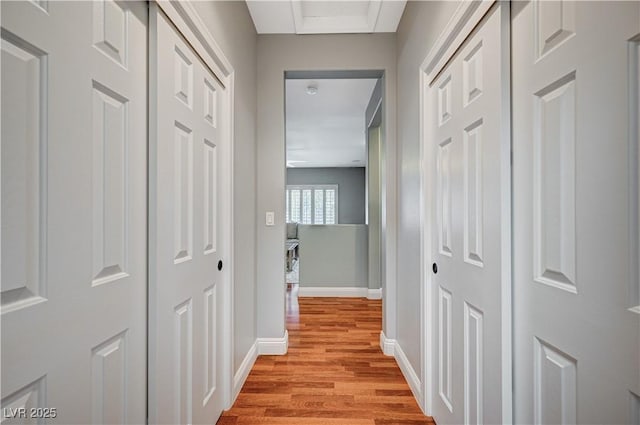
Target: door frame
[
  {"x": 464, "y": 20},
  {"x": 375, "y": 121},
  {"x": 189, "y": 23}
]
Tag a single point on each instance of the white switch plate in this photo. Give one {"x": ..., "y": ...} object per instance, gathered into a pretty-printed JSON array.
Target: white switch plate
[{"x": 270, "y": 218}]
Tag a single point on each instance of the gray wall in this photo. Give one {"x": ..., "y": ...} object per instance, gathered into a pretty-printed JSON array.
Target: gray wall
[
  {"x": 333, "y": 255},
  {"x": 277, "y": 54},
  {"x": 230, "y": 24},
  {"x": 351, "y": 188},
  {"x": 375, "y": 143},
  {"x": 372, "y": 106},
  {"x": 375, "y": 204},
  {"x": 420, "y": 26}
]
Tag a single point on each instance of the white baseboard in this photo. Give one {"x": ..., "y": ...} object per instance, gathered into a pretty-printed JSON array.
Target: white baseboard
[
  {"x": 387, "y": 345},
  {"x": 243, "y": 371},
  {"x": 273, "y": 346},
  {"x": 409, "y": 373},
  {"x": 374, "y": 294},
  {"x": 340, "y": 291},
  {"x": 262, "y": 346},
  {"x": 390, "y": 347}
]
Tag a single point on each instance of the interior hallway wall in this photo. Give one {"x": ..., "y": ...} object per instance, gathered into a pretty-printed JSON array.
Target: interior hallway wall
[
  {"x": 232, "y": 27},
  {"x": 374, "y": 207},
  {"x": 277, "y": 53},
  {"x": 375, "y": 133},
  {"x": 351, "y": 188},
  {"x": 421, "y": 24}
]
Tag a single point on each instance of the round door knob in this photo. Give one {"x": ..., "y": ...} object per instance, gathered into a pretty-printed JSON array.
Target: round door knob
[
  {"x": 220, "y": 265},
  {"x": 434, "y": 267}
]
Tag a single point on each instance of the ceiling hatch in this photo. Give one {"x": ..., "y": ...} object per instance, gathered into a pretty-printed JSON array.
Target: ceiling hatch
[{"x": 325, "y": 17}]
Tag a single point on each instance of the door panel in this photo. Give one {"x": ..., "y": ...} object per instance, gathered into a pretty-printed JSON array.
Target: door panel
[
  {"x": 470, "y": 178},
  {"x": 575, "y": 114},
  {"x": 187, "y": 147},
  {"x": 74, "y": 215}
]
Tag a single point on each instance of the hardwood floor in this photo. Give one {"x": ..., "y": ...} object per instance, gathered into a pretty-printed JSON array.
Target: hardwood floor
[{"x": 334, "y": 372}]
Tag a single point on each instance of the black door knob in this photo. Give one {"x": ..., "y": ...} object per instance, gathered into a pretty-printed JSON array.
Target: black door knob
[
  {"x": 220, "y": 265},
  {"x": 434, "y": 267}
]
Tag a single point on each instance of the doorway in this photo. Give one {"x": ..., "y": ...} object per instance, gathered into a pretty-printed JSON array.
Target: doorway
[{"x": 332, "y": 193}]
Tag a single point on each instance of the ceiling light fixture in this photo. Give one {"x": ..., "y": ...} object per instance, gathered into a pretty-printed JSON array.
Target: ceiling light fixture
[{"x": 312, "y": 88}]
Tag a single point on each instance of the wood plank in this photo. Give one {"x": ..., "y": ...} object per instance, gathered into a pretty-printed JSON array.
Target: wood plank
[{"x": 334, "y": 372}]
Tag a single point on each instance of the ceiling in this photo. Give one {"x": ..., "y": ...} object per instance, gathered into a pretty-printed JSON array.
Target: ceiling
[
  {"x": 327, "y": 129},
  {"x": 325, "y": 16}
]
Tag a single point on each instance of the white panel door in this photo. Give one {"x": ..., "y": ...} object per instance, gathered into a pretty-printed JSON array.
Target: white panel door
[
  {"x": 187, "y": 173},
  {"x": 74, "y": 214},
  {"x": 576, "y": 317},
  {"x": 470, "y": 180}
]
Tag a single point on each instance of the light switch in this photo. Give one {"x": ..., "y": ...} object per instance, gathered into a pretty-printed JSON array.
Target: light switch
[{"x": 270, "y": 218}]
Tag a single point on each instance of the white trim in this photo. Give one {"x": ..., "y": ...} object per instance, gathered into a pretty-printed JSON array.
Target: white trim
[
  {"x": 373, "y": 115},
  {"x": 506, "y": 210},
  {"x": 243, "y": 371},
  {"x": 426, "y": 312},
  {"x": 634, "y": 164},
  {"x": 327, "y": 291},
  {"x": 468, "y": 14},
  {"x": 273, "y": 346},
  {"x": 391, "y": 347},
  {"x": 190, "y": 25},
  {"x": 387, "y": 345},
  {"x": 228, "y": 314},
  {"x": 335, "y": 24},
  {"x": 374, "y": 294},
  {"x": 409, "y": 373}
]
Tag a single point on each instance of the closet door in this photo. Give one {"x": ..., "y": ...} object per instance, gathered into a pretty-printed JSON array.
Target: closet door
[
  {"x": 467, "y": 114},
  {"x": 575, "y": 151},
  {"x": 188, "y": 226},
  {"x": 74, "y": 211}
]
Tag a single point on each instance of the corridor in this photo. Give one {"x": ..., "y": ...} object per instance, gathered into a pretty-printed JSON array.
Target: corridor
[
  {"x": 334, "y": 372},
  {"x": 453, "y": 187}
]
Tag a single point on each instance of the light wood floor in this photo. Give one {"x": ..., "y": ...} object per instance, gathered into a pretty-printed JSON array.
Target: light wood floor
[{"x": 334, "y": 372}]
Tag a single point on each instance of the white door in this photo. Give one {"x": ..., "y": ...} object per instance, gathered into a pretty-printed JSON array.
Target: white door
[
  {"x": 470, "y": 179},
  {"x": 187, "y": 173},
  {"x": 575, "y": 118},
  {"x": 74, "y": 214}
]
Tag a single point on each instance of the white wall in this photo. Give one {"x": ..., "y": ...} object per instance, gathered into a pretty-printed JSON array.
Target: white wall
[
  {"x": 277, "y": 53},
  {"x": 351, "y": 188},
  {"x": 231, "y": 26},
  {"x": 420, "y": 26}
]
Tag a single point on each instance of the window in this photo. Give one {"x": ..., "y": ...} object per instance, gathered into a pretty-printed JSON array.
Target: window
[
  {"x": 312, "y": 204},
  {"x": 295, "y": 206}
]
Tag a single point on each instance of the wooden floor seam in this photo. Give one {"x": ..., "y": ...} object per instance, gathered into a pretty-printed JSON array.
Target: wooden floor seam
[{"x": 333, "y": 373}]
